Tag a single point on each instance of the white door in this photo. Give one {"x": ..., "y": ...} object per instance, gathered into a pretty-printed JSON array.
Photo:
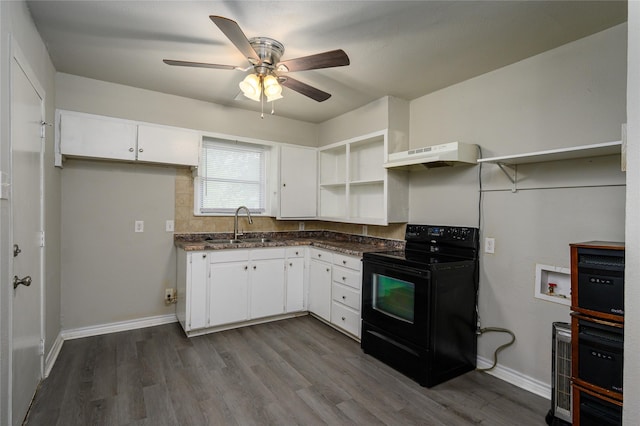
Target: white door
[{"x": 27, "y": 106}]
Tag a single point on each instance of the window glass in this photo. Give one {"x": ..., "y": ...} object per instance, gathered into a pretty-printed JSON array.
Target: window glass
[{"x": 231, "y": 175}]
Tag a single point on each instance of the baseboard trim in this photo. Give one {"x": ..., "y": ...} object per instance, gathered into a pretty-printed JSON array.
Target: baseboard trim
[
  {"x": 114, "y": 327},
  {"x": 52, "y": 356},
  {"x": 516, "y": 378}
]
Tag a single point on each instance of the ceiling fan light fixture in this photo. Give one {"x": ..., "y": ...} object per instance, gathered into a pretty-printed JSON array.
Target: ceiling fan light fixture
[
  {"x": 272, "y": 89},
  {"x": 250, "y": 87}
]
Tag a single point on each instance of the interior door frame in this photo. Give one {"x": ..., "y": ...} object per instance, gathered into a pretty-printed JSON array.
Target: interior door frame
[{"x": 21, "y": 60}]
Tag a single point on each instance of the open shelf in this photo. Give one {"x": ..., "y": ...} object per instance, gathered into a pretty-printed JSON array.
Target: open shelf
[
  {"x": 583, "y": 151},
  {"x": 559, "y": 277}
]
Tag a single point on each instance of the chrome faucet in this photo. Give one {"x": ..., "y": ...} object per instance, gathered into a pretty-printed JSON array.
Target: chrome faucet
[{"x": 236, "y": 233}]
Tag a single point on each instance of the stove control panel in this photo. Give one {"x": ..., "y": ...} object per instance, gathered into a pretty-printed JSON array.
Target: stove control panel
[{"x": 457, "y": 235}]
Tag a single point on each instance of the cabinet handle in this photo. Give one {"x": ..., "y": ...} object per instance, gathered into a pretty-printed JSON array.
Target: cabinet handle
[
  {"x": 284, "y": 184},
  {"x": 296, "y": 253},
  {"x": 140, "y": 150},
  {"x": 343, "y": 318},
  {"x": 344, "y": 297},
  {"x": 246, "y": 267},
  {"x": 254, "y": 267},
  {"x": 130, "y": 149},
  {"x": 328, "y": 270},
  {"x": 204, "y": 256},
  {"x": 291, "y": 264},
  {"x": 344, "y": 278},
  {"x": 344, "y": 262},
  {"x": 319, "y": 255}
]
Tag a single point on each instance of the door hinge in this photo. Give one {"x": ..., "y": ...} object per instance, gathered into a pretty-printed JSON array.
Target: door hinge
[
  {"x": 41, "y": 348},
  {"x": 41, "y": 238}
]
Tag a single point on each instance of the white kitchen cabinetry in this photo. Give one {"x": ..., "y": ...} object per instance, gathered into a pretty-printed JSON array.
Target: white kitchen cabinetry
[
  {"x": 228, "y": 287},
  {"x": 320, "y": 283},
  {"x": 355, "y": 187},
  {"x": 267, "y": 282},
  {"x": 295, "y": 279},
  {"x": 94, "y": 136},
  {"x": 168, "y": 145},
  {"x": 345, "y": 293},
  {"x": 298, "y": 182},
  {"x": 192, "y": 284}
]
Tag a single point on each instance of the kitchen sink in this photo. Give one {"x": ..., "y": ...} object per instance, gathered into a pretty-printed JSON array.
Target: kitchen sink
[{"x": 244, "y": 240}]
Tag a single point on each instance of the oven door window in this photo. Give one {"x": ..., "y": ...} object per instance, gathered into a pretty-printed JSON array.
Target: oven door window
[{"x": 394, "y": 297}]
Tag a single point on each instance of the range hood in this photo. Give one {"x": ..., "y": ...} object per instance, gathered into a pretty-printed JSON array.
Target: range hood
[{"x": 448, "y": 154}]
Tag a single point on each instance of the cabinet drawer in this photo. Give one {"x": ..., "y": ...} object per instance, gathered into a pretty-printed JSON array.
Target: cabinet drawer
[
  {"x": 346, "y": 296},
  {"x": 347, "y": 261},
  {"x": 345, "y": 318},
  {"x": 295, "y": 251},
  {"x": 232, "y": 255},
  {"x": 267, "y": 253},
  {"x": 321, "y": 255},
  {"x": 347, "y": 277}
]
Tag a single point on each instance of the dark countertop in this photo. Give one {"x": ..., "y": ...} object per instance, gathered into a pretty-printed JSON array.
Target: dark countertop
[{"x": 349, "y": 244}]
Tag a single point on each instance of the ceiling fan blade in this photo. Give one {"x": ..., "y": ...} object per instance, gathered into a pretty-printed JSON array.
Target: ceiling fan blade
[
  {"x": 333, "y": 58},
  {"x": 304, "y": 88},
  {"x": 199, "y": 65},
  {"x": 233, "y": 32}
]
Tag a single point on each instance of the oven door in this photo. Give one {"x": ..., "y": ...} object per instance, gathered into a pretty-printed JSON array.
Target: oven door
[{"x": 394, "y": 299}]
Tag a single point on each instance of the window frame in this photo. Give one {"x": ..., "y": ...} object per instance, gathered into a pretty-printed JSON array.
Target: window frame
[{"x": 268, "y": 176}]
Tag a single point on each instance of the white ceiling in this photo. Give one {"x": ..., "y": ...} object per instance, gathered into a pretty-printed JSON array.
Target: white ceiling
[{"x": 399, "y": 48}]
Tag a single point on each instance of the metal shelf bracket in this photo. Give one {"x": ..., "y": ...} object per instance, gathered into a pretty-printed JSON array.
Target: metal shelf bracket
[{"x": 513, "y": 179}]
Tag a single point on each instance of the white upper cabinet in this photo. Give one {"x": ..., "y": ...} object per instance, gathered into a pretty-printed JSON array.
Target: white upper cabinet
[
  {"x": 94, "y": 136},
  {"x": 355, "y": 187},
  {"x": 168, "y": 145},
  {"x": 298, "y": 182}
]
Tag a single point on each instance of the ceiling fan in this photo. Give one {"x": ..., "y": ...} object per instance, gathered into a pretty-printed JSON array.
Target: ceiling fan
[{"x": 264, "y": 54}]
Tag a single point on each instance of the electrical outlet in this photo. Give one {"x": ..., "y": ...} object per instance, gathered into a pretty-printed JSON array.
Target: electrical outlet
[
  {"x": 169, "y": 296},
  {"x": 490, "y": 245},
  {"x": 139, "y": 226},
  {"x": 169, "y": 226}
]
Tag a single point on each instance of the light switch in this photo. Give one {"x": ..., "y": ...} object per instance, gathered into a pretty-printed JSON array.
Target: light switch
[
  {"x": 169, "y": 226},
  {"x": 490, "y": 245},
  {"x": 139, "y": 226}
]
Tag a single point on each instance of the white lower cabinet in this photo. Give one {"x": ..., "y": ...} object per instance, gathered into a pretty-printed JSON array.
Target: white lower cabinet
[
  {"x": 228, "y": 292},
  {"x": 191, "y": 286},
  {"x": 295, "y": 279},
  {"x": 266, "y": 282},
  {"x": 221, "y": 287},
  {"x": 346, "y": 288},
  {"x": 320, "y": 283}
]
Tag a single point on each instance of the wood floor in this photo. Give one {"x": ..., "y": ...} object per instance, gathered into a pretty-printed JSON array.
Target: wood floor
[{"x": 296, "y": 371}]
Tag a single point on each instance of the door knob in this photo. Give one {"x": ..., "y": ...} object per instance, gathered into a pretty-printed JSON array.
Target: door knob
[
  {"x": 26, "y": 281},
  {"x": 16, "y": 250}
]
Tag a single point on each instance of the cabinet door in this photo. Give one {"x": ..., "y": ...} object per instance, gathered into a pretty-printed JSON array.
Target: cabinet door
[
  {"x": 267, "y": 288},
  {"x": 295, "y": 284},
  {"x": 168, "y": 145},
  {"x": 228, "y": 292},
  {"x": 298, "y": 179},
  {"x": 320, "y": 289},
  {"x": 86, "y": 135},
  {"x": 197, "y": 291}
]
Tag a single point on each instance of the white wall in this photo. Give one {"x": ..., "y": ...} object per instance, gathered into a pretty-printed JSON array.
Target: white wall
[
  {"x": 109, "y": 272},
  {"x": 16, "y": 24},
  {"x": 632, "y": 268},
  {"x": 572, "y": 95}
]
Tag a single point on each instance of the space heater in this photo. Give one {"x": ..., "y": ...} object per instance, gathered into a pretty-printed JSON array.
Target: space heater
[{"x": 560, "y": 413}]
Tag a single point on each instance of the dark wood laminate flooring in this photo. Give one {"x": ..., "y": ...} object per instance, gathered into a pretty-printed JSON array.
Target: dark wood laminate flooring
[{"x": 295, "y": 371}]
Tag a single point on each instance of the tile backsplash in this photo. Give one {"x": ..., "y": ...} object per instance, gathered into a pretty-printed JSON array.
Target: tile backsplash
[{"x": 186, "y": 221}]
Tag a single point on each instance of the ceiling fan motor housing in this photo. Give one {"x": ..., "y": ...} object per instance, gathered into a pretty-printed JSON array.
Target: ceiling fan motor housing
[{"x": 269, "y": 51}]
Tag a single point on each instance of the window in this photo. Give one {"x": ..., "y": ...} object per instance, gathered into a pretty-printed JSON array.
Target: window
[{"x": 231, "y": 174}]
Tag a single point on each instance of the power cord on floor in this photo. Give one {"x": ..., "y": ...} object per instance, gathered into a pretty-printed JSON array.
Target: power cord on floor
[{"x": 481, "y": 331}]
